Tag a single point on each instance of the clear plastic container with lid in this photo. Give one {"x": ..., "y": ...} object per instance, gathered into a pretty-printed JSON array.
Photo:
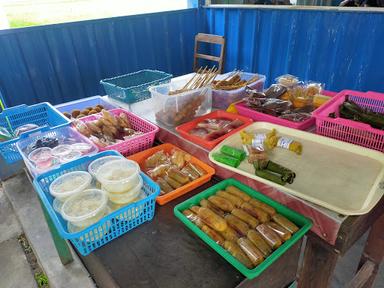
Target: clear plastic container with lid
[
  {"x": 85, "y": 208},
  {"x": 96, "y": 164},
  {"x": 131, "y": 196},
  {"x": 70, "y": 184},
  {"x": 119, "y": 176},
  {"x": 176, "y": 109}
]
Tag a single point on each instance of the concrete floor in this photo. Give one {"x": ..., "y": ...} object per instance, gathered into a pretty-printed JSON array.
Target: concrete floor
[{"x": 13, "y": 262}]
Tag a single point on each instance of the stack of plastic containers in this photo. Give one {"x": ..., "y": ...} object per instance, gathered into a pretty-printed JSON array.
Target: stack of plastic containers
[{"x": 94, "y": 199}]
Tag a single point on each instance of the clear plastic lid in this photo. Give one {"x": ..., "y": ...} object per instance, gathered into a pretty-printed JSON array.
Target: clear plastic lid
[
  {"x": 73, "y": 155},
  {"x": 125, "y": 198},
  {"x": 84, "y": 205},
  {"x": 82, "y": 147},
  {"x": 119, "y": 171},
  {"x": 96, "y": 164},
  {"x": 62, "y": 150},
  {"x": 40, "y": 154},
  {"x": 70, "y": 184}
]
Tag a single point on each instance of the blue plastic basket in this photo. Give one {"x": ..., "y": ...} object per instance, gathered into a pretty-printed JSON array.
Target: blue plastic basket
[
  {"x": 42, "y": 114},
  {"x": 133, "y": 87},
  {"x": 81, "y": 104},
  {"x": 111, "y": 226}
]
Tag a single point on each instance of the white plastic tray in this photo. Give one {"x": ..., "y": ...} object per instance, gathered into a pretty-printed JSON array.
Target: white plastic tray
[{"x": 342, "y": 177}]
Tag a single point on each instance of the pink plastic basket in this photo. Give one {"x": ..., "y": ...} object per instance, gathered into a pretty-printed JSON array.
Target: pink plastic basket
[
  {"x": 348, "y": 130},
  {"x": 136, "y": 144},
  {"x": 258, "y": 116}
]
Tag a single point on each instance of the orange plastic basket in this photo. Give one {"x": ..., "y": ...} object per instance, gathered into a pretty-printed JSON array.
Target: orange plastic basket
[
  {"x": 167, "y": 147},
  {"x": 185, "y": 128}
]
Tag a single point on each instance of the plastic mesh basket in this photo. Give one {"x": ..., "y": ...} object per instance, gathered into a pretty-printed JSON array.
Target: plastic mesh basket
[
  {"x": 348, "y": 130},
  {"x": 133, "y": 87},
  {"x": 42, "y": 114},
  {"x": 135, "y": 144},
  {"x": 61, "y": 133},
  {"x": 109, "y": 227}
]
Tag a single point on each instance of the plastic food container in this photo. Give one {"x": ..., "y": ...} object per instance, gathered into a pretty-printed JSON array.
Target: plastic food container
[
  {"x": 127, "y": 197},
  {"x": 61, "y": 150},
  {"x": 95, "y": 165},
  {"x": 85, "y": 208},
  {"x": 112, "y": 225},
  {"x": 221, "y": 99},
  {"x": 167, "y": 147},
  {"x": 119, "y": 176},
  {"x": 302, "y": 222},
  {"x": 70, "y": 184},
  {"x": 173, "y": 110},
  {"x": 43, "y": 159},
  {"x": 71, "y": 145},
  {"x": 186, "y": 127}
]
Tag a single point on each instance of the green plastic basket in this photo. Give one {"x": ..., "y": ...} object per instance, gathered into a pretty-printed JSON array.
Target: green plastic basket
[{"x": 302, "y": 222}]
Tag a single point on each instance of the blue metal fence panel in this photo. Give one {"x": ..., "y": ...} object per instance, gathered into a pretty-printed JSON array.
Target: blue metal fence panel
[
  {"x": 63, "y": 62},
  {"x": 345, "y": 50}
]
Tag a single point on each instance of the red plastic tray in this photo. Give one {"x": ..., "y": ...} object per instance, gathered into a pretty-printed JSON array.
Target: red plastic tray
[{"x": 185, "y": 128}]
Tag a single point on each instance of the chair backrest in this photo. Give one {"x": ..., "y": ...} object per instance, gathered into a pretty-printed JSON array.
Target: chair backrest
[{"x": 211, "y": 39}]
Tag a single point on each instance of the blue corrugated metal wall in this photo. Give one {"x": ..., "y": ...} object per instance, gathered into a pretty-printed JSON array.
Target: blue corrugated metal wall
[
  {"x": 342, "y": 49},
  {"x": 58, "y": 63}
]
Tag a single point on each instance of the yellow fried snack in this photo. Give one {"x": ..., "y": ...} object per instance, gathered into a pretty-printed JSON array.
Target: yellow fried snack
[
  {"x": 259, "y": 242},
  {"x": 237, "y": 192},
  {"x": 240, "y": 226},
  {"x": 230, "y": 234},
  {"x": 213, "y": 234},
  {"x": 251, "y": 251},
  {"x": 222, "y": 203},
  {"x": 246, "y": 217},
  {"x": 270, "y": 210},
  {"x": 236, "y": 252},
  {"x": 285, "y": 223},
  {"x": 212, "y": 219},
  {"x": 237, "y": 201}
]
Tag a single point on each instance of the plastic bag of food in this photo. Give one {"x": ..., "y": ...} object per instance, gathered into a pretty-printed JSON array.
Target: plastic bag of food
[
  {"x": 25, "y": 128},
  {"x": 287, "y": 80},
  {"x": 295, "y": 117},
  {"x": 275, "y": 91}
]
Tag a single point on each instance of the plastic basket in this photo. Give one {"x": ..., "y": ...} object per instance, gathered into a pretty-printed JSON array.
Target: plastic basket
[
  {"x": 262, "y": 117},
  {"x": 133, "y": 87},
  {"x": 62, "y": 134},
  {"x": 142, "y": 156},
  {"x": 221, "y": 99},
  {"x": 185, "y": 128},
  {"x": 42, "y": 114},
  {"x": 111, "y": 226},
  {"x": 302, "y": 222},
  {"x": 84, "y": 103},
  {"x": 348, "y": 130},
  {"x": 135, "y": 144}
]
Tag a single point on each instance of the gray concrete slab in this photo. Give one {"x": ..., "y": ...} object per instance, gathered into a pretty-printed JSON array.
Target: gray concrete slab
[
  {"x": 9, "y": 225},
  {"x": 27, "y": 208},
  {"x": 14, "y": 268}
]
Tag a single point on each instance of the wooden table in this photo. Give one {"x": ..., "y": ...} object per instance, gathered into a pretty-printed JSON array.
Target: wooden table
[{"x": 331, "y": 236}]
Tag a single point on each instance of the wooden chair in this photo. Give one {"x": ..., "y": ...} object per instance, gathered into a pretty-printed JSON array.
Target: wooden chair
[{"x": 211, "y": 39}]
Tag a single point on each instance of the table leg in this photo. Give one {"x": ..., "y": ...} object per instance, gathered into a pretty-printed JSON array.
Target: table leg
[
  {"x": 318, "y": 264},
  {"x": 60, "y": 244},
  {"x": 371, "y": 258}
]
